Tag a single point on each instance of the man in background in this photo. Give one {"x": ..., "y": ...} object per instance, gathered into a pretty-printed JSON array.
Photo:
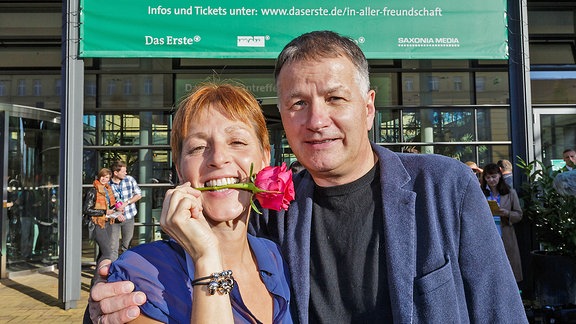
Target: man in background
[
  {"x": 126, "y": 190},
  {"x": 569, "y": 156},
  {"x": 506, "y": 169}
]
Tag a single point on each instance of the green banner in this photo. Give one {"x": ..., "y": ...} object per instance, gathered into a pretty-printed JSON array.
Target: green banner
[{"x": 392, "y": 29}]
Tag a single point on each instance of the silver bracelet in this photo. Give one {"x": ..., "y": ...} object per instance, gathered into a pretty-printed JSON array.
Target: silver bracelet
[{"x": 221, "y": 282}]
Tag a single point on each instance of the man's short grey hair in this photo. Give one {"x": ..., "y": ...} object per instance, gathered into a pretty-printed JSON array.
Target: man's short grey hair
[
  {"x": 505, "y": 165},
  {"x": 317, "y": 45}
]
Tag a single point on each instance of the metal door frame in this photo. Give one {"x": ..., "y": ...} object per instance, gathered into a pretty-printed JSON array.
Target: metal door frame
[{"x": 539, "y": 111}]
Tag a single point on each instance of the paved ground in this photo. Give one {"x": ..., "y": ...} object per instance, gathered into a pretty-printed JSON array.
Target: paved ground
[{"x": 33, "y": 298}]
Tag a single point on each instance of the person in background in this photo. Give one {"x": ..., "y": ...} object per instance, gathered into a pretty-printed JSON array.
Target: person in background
[
  {"x": 506, "y": 169},
  {"x": 412, "y": 150},
  {"x": 373, "y": 236},
  {"x": 30, "y": 203},
  {"x": 218, "y": 134},
  {"x": 510, "y": 212},
  {"x": 565, "y": 183},
  {"x": 97, "y": 205},
  {"x": 475, "y": 168},
  {"x": 46, "y": 221},
  {"x": 127, "y": 192},
  {"x": 296, "y": 167},
  {"x": 565, "y": 179},
  {"x": 14, "y": 205},
  {"x": 569, "y": 156}
]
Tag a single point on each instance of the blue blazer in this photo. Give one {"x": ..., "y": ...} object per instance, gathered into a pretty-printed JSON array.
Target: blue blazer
[{"x": 446, "y": 261}]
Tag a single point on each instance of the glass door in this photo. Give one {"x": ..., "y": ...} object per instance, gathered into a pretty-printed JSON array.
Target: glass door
[
  {"x": 30, "y": 146},
  {"x": 554, "y": 131}
]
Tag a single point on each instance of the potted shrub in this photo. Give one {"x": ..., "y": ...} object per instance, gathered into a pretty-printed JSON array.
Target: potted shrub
[{"x": 554, "y": 217}]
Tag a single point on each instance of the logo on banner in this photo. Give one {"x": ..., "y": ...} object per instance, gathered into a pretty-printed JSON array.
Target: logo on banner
[
  {"x": 428, "y": 42},
  {"x": 251, "y": 41}
]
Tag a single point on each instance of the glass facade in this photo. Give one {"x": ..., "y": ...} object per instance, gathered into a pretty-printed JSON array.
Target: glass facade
[
  {"x": 553, "y": 79},
  {"x": 458, "y": 108}
]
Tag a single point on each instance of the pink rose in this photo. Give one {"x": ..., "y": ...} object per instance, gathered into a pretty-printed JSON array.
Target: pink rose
[
  {"x": 278, "y": 186},
  {"x": 272, "y": 187}
]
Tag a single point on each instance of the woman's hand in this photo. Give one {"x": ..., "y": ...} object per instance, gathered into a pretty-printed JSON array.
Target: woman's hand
[{"x": 183, "y": 220}]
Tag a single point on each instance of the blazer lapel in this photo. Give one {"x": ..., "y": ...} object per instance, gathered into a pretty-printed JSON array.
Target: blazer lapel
[
  {"x": 399, "y": 233},
  {"x": 297, "y": 245}
]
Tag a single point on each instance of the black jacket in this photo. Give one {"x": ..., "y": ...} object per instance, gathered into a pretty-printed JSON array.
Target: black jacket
[{"x": 89, "y": 203}]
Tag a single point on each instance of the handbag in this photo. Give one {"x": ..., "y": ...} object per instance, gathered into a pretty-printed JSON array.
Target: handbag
[{"x": 91, "y": 231}]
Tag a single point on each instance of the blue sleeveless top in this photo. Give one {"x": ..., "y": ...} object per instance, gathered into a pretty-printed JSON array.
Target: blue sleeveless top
[{"x": 163, "y": 271}]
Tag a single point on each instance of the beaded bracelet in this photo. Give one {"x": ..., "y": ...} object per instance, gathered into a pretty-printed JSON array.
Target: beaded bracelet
[{"x": 221, "y": 282}]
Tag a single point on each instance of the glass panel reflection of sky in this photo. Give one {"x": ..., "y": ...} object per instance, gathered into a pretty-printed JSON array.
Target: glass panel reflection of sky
[{"x": 552, "y": 75}]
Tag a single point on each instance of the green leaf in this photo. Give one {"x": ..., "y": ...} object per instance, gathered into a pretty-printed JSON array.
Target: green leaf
[{"x": 254, "y": 207}]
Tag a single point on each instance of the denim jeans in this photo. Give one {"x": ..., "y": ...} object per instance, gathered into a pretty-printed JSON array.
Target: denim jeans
[{"x": 124, "y": 229}]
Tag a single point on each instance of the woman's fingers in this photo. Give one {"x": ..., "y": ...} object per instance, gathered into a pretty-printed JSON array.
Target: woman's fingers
[
  {"x": 183, "y": 220},
  {"x": 176, "y": 200},
  {"x": 180, "y": 204}
]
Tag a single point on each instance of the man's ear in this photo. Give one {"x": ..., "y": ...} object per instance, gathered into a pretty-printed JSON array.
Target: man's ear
[{"x": 370, "y": 109}]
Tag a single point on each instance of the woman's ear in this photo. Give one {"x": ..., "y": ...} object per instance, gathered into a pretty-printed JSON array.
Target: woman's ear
[{"x": 180, "y": 180}]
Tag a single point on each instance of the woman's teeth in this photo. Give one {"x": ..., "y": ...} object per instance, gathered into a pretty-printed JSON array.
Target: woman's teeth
[{"x": 220, "y": 182}]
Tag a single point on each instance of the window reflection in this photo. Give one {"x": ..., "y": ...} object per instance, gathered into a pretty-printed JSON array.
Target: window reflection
[
  {"x": 433, "y": 83},
  {"x": 436, "y": 88},
  {"x": 37, "y": 87},
  {"x": 492, "y": 88},
  {"x": 457, "y": 81},
  {"x": 449, "y": 131},
  {"x": 553, "y": 87},
  {"x": 480, "y": 84},
  {"x": 21, "y": 88},
  {"x": 135, "y": 91},
  {"x": 90, "y": 88},
  {"x": 127, "y": 87}
]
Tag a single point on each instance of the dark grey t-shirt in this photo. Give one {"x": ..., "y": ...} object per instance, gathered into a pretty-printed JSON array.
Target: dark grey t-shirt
[{"x": 348, "y": 282}]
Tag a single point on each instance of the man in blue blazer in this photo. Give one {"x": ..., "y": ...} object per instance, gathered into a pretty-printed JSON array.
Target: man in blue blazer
[
  {"x": 374, "y": 236},
  {"x": 445, "y": 260}
]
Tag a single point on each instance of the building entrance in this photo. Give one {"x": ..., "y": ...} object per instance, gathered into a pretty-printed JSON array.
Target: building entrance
[{"x": 30, "y": 141}]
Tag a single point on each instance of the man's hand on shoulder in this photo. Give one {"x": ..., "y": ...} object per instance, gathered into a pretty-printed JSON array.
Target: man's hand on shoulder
[{"x": 113, "y": 302}]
